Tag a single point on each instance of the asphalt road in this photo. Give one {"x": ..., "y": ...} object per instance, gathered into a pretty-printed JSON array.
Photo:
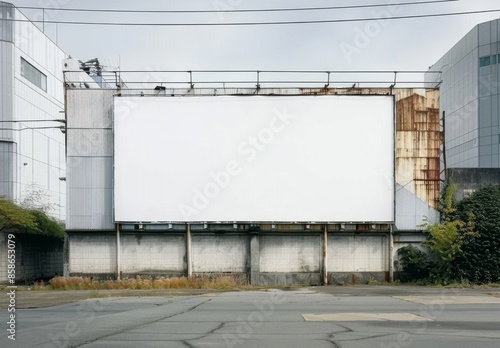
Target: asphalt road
[{"x": 316, "y": 317}]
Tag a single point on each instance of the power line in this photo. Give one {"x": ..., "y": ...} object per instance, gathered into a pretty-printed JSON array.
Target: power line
[
  {"x": 432, "y": 15},
  {"x": 28, "y": 128},
  {"x": 239, "y": 10},
  {"x": 23, "y": 121}
]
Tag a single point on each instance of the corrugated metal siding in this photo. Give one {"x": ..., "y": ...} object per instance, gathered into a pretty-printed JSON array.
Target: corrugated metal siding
[
  {"x": 90, "y": 108},
  {"x": 90, "y": 142},
  {"x": 90, "y": 160}
]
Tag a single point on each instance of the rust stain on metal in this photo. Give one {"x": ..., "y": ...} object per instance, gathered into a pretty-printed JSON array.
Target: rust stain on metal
[{"x": 418, "y": 142}]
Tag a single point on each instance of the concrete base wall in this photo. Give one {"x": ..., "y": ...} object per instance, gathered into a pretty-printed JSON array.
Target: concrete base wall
[
  {"x": 358, "y": 253},
  {"x": 297, "y": 279},
  {"x": 37, "y": 257},
  {"x": 144, "y": 253},
  {"x": 266, "y": 258},
  {"x": 290, "y": 253},
  {"x": 352, "y": 278},
  {"x": 92, "y": 254},
  {"x": 220, "y": 253}
]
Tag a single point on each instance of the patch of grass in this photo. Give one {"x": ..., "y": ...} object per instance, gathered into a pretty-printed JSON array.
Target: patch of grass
[
  {"x": 41, "y": 285},
  {"x": 144, "y": 283},
  {"x": 97, "y": 294},
  {"x": 467, "y": 285}
]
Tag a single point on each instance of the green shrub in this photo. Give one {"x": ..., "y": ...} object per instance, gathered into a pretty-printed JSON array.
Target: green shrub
[
  {"x": 414, "y": 263},
  {"x": 479, "y": 259}
]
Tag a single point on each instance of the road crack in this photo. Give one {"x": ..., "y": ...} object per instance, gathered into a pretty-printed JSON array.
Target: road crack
[{"x": 132, "y": 327}]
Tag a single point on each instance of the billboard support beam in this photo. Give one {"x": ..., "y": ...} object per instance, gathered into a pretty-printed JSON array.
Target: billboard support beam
[
  {"x": 188, "y": 251},
  {"x": 118, "y": 252},
  {"x": 325, "y": 254},
  {"x": 391, "y": 254},
  {"x": 254, "y": 258}
]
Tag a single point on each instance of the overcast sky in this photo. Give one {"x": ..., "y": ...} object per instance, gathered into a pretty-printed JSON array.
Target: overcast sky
[{"x": 408, "y": 44}]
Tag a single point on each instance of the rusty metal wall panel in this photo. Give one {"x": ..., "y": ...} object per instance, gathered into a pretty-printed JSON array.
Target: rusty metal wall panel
[{"x": 418, "y": 147}]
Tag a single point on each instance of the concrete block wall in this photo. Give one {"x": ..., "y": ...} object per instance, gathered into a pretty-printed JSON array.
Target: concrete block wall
[
  {"x": 266, "y": 258},
  {"x": 290, "y": 253},
  {"x": 92, "y": 254},
  {"x": 358, "y": 253},
  {"x": 37, "y": 257},
  {"x": 220, "y": 253},
  {"x": 290, "y": 259},
  {"x": 3, "y": 258},
  {"x": 153, "y": 253},
  {"x": 357, "y": 258}
]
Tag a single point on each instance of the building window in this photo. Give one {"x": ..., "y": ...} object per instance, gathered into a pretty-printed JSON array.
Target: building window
[
  {"x": 493, "y": 59},
  {"x": 484, "y": 61},
  {"x": 33, "y": 75}
]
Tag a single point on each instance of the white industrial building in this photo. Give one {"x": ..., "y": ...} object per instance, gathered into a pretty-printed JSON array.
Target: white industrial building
[{"x": 32, "y": 141}]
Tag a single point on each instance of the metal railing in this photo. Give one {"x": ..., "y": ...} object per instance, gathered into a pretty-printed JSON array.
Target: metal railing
[{"x": 190, "y": 79}]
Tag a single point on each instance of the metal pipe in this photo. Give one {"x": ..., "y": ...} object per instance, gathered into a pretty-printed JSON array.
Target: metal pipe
[
  {"x": 118, "y": 252},
  {"x": 188, "y": 251},
  {"x": 325, "y": 254},
  {"x": 391, "y": 254}
]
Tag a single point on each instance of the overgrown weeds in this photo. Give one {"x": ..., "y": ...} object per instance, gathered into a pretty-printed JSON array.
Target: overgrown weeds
[{"x": 142, "y": 283}]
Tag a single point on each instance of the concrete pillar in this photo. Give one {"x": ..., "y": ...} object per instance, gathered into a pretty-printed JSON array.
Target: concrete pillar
[
  {"x": 325, "y": 255},
  {"x": 188, "y": 251},
  {"x": 66, "y": 270},
  {"x": 254, "y": 259},
  {"x": 391, "y": 254},
  {"x": 118, "y": 252}
]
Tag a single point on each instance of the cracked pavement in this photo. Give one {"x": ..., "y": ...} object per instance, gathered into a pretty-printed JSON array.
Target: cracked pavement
[{"x": 267, "y": 318}]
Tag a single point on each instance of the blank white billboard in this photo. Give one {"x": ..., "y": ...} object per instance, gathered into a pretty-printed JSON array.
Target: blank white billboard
[{"x": 254, "y": 159}]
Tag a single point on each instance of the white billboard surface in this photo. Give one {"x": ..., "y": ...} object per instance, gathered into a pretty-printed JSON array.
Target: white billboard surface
[{"x": 254, "y": 159}]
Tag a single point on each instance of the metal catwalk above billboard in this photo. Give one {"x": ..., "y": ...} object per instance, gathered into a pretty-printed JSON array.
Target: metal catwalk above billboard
[{"x": 254, "y": 159}]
